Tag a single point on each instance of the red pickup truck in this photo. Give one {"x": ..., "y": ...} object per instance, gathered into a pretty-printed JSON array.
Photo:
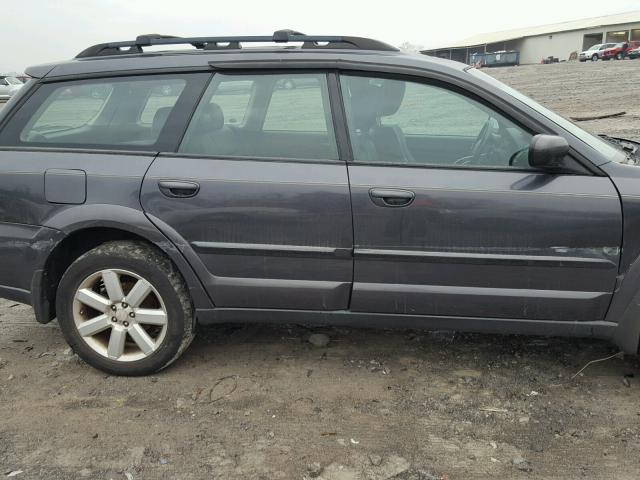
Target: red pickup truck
[{"x": 619, "y": 50}]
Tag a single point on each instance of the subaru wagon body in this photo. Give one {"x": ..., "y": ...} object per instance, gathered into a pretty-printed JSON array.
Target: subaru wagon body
[{"x": 320, "y": 180}]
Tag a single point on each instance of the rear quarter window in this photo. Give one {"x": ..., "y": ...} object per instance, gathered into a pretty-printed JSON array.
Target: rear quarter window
[
  {"x": 124, "y": 113},
  {"x": 70, "y": 107}
]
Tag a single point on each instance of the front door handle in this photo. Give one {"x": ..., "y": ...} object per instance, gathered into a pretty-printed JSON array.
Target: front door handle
[
  {"x": 178, "y": 188},
  {"x": 391, "y": 197}
]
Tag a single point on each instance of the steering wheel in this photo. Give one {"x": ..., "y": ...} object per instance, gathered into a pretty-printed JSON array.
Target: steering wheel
[
  {"x": 483, "y": 139},
  {"x": 478, "y": 146},
  {"x": 36, "y": 137},
  {"x": 513, "y": 157}
]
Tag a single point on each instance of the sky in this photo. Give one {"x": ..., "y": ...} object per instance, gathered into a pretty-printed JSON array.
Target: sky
[{"x": 41, "y": 31}]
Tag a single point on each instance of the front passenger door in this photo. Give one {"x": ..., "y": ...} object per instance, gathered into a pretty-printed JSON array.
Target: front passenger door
[{"x": 450, "y": 220}]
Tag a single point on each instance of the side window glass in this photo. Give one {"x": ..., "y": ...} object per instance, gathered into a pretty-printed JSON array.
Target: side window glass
[
  {"x": 161, "y": 97},
  {"x": 305, "y": 93},
  {"x": 68, "y": 107},
  {"x": 118, "y": 113},
  {"x": 445, "y": 109},
  {"x": 264, "y": 116},
  {"x": 233, "y": 97},
  {"x": 394, "y": 121}
]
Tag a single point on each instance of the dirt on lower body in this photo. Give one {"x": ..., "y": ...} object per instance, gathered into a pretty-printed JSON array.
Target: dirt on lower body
[{"x": 261, "y": 402}]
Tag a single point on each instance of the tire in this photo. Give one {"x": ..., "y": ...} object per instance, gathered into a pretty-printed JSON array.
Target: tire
[
  {"x": 113, "y": 333},
  {"x": 619, "y": 56},
  {"x": 594, "y": 57}
]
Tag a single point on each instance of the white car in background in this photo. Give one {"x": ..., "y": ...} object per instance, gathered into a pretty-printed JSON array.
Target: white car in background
[
  {"x": 594, "y": 53},
  {"x": 9, "y": 86}
]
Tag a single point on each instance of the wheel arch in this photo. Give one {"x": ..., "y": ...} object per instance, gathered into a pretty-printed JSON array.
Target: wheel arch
[
  {"x": 625, "y": 310},
  {"x": 87, "y": 226}
]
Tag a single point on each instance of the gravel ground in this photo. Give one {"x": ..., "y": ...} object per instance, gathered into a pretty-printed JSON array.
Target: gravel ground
[
  {"x": 261, "y": 402},
  {"x": 575, "y": 89}
]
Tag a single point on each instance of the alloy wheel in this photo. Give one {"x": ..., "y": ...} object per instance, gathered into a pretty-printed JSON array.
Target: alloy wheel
[{"x": 120, "y": 315}]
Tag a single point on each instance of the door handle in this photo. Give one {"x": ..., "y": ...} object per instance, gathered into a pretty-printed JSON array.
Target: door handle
[
  {"x": 391, "y": 197},
  {"x": 178, "y": 188}
]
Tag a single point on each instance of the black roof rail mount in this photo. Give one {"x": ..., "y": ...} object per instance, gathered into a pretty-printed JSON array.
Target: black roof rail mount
[{"x": 219, "y": 43}]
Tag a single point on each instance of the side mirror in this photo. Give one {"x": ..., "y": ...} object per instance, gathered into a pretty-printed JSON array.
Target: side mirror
[{"x": 547, "y": 151}]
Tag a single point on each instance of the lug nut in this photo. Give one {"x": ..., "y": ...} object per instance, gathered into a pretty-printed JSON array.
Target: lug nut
[
  {"x": 125, "y": 323},
  {"x": 124, "y": 305},
  {"x": 114, "y": 308},
  {"x": 114, "y": 319},
  {"x": 132, "y": 314}
]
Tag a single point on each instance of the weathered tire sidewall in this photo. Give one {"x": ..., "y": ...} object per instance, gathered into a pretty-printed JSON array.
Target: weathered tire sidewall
[{"x": 179, "y": 321}]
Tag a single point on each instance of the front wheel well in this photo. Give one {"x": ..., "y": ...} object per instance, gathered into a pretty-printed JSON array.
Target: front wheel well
[{"x": 64, "y": 254}]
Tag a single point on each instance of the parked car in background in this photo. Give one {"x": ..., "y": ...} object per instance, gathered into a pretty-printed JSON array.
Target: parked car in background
[
  {"x": 343, "y": 182},
  {"x": 634, "y": 44},
  {"x": 594, "y": 53},
  {"x": 8, "y": 87},
  {"x": 619, "y": 50},
  {"x": 633, "y": 53}
]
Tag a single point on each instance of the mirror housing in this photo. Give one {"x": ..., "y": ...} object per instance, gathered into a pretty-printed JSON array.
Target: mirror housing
[{"x": 547, "y": 151}]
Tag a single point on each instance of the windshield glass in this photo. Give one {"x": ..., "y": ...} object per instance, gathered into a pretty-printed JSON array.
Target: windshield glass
[
  {"x": 592, "y": 141},
  {"x": 596, "y": 47}
]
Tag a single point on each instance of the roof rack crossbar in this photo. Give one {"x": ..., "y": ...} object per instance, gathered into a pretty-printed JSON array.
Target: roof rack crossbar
[{"x": 213, "y": 43}]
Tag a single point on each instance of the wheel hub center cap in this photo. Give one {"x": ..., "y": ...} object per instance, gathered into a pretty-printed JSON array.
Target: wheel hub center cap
[{"x": 122, "y": 314}]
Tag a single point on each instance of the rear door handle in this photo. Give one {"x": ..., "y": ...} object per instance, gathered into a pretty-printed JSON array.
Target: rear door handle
[
  {"x": 391, "y": 197},
  {"x": 178, "y": 188}
]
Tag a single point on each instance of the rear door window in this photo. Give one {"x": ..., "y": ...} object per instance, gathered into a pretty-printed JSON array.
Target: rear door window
[
  {"x": 233, "y": 96},
  {"x": 264, "y": 116},
  {"x": 302, "y": 94}
]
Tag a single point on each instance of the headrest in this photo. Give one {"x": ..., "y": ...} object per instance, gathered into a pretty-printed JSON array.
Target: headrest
[
  {"x": 210, "y": 118},
  {"x": 363, "y": 104},
  {"x": 391, "y": 96},
  {"x": 372, "y": 98},
  {"x": 160, "y": 118}
]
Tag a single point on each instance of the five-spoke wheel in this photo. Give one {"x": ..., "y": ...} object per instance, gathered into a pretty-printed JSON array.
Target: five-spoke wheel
[
  {"x": 124, "y": 308},
  {"x": 120, "y": 315}
]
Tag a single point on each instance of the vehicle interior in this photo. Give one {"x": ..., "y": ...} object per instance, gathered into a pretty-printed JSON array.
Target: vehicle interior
[
  {"x": 393, "y": 121},
  {"x": 253, "y": 116},
  {"x": 286, "y": 116},
  {"x": 271, "y": 116}
]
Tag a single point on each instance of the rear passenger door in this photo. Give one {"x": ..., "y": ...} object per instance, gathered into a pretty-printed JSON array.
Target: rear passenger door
[{"x": 257, "y": 196}]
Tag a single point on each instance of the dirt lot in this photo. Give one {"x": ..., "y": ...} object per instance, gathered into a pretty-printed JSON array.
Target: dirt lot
[
  {"x": 583, "y": 89},
  {"x": 261, "y": 402}
]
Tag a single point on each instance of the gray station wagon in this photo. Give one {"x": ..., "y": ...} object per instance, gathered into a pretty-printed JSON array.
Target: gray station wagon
[{"x": 321, "y": 180}]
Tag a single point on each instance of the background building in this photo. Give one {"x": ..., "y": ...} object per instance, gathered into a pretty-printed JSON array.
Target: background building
[{"x": 557, "y": 40}]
